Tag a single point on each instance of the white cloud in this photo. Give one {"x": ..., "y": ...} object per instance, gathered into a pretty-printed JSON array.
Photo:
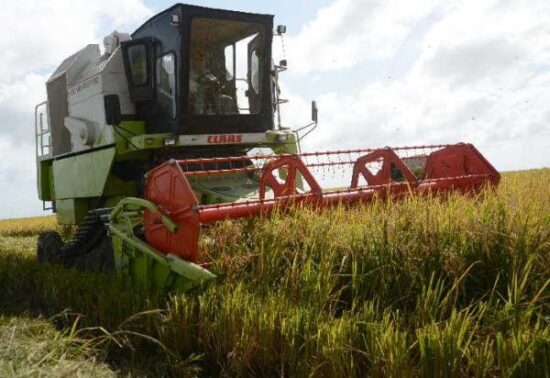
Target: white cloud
[
  {"x": 480, "y": 75},
  {"x": 351, "y": 32},
  {"x": 17, "y": 181},
  {"x": 41, "y": 34},
  {"x": 17, "y": 101}
]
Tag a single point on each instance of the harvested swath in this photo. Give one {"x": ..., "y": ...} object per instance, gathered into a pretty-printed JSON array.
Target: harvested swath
[{"x": 33, "y": 348}]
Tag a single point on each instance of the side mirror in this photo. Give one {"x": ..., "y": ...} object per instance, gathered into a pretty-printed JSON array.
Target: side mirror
[
  {"x": 281, "y": 29},
  {"x": 283, "y": 63},
  {"x": 112, "y": 110},
  {"x": 314, "y": 111}
]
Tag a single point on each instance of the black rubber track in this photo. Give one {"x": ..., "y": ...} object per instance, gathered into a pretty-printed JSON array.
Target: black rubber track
[
  {"x": 49, "y": 246},
  {"x": 89, "y": 250}
]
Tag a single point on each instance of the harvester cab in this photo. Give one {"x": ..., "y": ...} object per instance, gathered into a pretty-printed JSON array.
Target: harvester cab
[
  {"x": 140, "y": 145},
  {"x": 195, "y": 70}
]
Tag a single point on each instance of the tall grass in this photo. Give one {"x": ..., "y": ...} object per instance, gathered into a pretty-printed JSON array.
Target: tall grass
[
  {"x": 27, "y": 226},
  {"x": 430, "y": 287}
]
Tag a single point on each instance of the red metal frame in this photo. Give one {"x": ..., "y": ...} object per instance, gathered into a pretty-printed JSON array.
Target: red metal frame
[
  {"x": 389, "y": 160},
  {"x": 167, "y": 187},
  {"x": 288, "y": 189},
  {"x": 457, "y": 167}
]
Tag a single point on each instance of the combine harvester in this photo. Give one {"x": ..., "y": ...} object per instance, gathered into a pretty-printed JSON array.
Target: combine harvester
[{"x": 178, "y": 125}]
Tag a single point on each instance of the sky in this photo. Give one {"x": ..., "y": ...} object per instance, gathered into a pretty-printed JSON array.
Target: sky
[{"x": 383, "y": 72}]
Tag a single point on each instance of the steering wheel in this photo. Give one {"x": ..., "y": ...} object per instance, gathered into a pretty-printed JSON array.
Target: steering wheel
[{"x": 210, "y": 80}]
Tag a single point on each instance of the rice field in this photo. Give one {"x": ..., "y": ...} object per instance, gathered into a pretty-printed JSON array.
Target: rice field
[{"x": 423, "y": 287}]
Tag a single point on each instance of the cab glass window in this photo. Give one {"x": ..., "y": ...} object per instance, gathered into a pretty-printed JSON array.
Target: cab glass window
[
  {"x": 255, "y": 71},
  {"x": 137, "y": 56},
  {"x": 166, "y": 84},
  {"x": 227, "y": 58}
]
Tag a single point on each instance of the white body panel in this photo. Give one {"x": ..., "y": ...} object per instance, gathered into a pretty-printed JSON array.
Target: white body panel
[
  {"x": 86, "y": 99},
  {"x": 76, "y": 93}
]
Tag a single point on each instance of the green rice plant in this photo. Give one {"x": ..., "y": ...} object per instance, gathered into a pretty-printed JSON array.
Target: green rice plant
[
  {"x": 481, "y": 358},
  {"x": 383, "y": 346},
  {"x": 444, "y": 346},
  {"x": 27, "y": 226},
  {"x": 524, "y": 352},
  {"x": 455, "y": 286}
]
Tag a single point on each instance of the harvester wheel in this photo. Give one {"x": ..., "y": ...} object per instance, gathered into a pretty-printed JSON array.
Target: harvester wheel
[{"x": 49, "y": 246}]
